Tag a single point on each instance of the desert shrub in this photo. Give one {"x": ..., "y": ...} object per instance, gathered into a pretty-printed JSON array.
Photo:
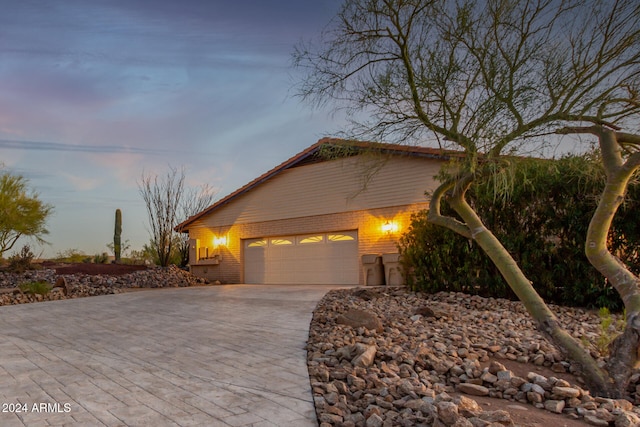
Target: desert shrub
[
  {"x": 21, "y": 261},
  {"x": 38, "y": 287},
  {"x": 101, "y": 258},
  {"x": 71, "y": 256},
  {"x": 542, "y": 220},
  {"x": 610, "y": 329}
]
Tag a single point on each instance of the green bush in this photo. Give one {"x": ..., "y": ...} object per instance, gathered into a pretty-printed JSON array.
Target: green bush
[
  {"x": 540, "y": 210},
  {"x": 41, "y": 288}
]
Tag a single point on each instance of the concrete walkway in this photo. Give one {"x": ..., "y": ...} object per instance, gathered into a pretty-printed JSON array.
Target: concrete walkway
[{"x": 206, "y": 356}]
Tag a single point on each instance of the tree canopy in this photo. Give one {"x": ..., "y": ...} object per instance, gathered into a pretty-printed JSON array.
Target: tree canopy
[
  {"x": 22, "y": 213},
  {"x": 497, "y": 77},
  {"x": 477, "y": 75}
]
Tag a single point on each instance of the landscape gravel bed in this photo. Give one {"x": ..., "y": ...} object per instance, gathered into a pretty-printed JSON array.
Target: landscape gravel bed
[
  {"x": 82, "y": 285},
  {"x": 391, "y": 357}
]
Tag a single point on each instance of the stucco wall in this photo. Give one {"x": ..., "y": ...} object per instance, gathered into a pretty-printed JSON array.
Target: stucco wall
[
  {"x": 371, "y": 237},
  {"x": 341, "y": 185},
  {"x": 358, "y": 193}
]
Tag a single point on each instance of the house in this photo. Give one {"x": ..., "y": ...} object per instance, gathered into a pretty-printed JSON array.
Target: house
[{"x": 311, "y": 219}]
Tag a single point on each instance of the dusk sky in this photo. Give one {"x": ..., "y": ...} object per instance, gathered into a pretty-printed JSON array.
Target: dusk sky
[{"x": 93, "y": 93}]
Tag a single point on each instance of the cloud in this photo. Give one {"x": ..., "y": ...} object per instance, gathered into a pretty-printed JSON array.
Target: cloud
[
  {"x": 56, "y": 146},
  {"x": 81, "y": 183}
]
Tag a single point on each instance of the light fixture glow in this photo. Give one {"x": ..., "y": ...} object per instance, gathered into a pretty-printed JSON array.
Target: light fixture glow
[
  {"x": 389, "y": 227},
  {"x": 219, "y": 241}
]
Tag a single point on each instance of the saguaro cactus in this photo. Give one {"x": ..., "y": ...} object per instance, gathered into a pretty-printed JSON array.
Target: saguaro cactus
[{"x": 116, "y": 235}]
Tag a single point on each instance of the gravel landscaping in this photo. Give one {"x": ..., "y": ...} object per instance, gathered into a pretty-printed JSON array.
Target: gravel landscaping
[
  {"x": 421, "y": 360},
  {"x": 83, "y": 280}
]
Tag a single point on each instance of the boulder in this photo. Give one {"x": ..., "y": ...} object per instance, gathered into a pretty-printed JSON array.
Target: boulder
[
  {"x": 627, "y": 419},
  {"x": 365, "y": 355},
  {"x": 425, "y": 311},
  {"x": 61, "y": 283},
  {"x": 467, "y": 407},
  {"x": 473, "y": 389},
  {"x": 357, "y": 318}
]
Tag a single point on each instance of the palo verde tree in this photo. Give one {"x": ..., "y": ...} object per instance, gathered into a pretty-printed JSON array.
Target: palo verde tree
[
  {"x": 22, "y": 213},
  {"x": 169, "y": 202},
  {"x": 496, "y": 77}
]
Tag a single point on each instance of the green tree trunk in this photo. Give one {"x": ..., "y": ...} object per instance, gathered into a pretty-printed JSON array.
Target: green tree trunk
[
  {"x": 624, "y": 349},
  {"x": 596, "y": 378}
]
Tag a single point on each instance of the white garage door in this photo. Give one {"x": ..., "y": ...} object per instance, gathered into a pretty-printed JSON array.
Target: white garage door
[{"x": 325, "y": 258}]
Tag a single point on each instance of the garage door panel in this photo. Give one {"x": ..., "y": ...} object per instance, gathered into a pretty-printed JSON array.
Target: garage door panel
[{"x": 330, "y": 258}]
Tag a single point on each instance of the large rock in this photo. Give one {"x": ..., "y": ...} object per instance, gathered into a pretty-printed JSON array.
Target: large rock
[
  {"x": 366, "y": 355},
  {"x": 627, "y": 419},
  {"x": 554, "y": 406},
  {"x": 497, "y": 417},
  {"x": 473, "y": 389},
  {"x": 467, "y": 407},
  {"x": 357, "y": 318},
  {"x": 564, "y": 392},
  {"x": 595, "y": 421},
  {"x": 61, "y": 283},
  {"x": 448, "y": 412}
]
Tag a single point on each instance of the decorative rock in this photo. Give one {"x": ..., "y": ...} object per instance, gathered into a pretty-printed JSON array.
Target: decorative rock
[
  {"x": 82, "y": 285},
  {"x": 624, "y": 404},
  {"x": 473, "y": 389},
  {"x": 365, "y": 356},
  {"x": 604, "y": 414},
  {"x": 595, "y": 421},
  {"x": 534, "y": 397},
  {"x": 488, "y": 377},
  {"x": 418, "y": 362},
  {"x": 462, "y": 422},
  {"x": 425, "y": 311},
  {"x": 467, "y": 407},
  {"x": 356, "y": 382},
  {"x": 330, "y": 419},
  {"x": 358, "y": 318},
  {"x": 627, "y": 419},
  {"x": 517, "y": 382},
  {"x": 504, "y": 376},
  {"x": 497, "y": 417},
  {"x": 61, "y": 282},
  {"x": 564, "y": 392},
  {"x": 447, "y": 412},
  {"x": 554, "y": 406},
  {"x": 374, "y": 421},
  {"x": 495, "y": 367}
]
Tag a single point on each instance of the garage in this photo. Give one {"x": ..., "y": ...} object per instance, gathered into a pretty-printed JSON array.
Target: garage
[{"x": 321, "y": 258}]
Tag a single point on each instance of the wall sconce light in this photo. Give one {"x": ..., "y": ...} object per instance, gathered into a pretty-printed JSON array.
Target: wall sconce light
[
  {"x": 219, "y": 241},
  {"x": 389, "y": 227}
]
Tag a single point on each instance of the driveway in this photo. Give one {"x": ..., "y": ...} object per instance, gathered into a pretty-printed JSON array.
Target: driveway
[{"x": 207, "y": 356}]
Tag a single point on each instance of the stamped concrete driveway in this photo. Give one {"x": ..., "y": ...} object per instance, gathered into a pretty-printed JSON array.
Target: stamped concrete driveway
[{"x": 206, "y": 356}]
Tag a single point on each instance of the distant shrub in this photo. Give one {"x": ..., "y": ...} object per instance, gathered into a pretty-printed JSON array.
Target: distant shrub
[
  {"x": 101, "y": 258},
  {"x": 71, "y": 256},
  {"x": 22, "y": 261}
]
